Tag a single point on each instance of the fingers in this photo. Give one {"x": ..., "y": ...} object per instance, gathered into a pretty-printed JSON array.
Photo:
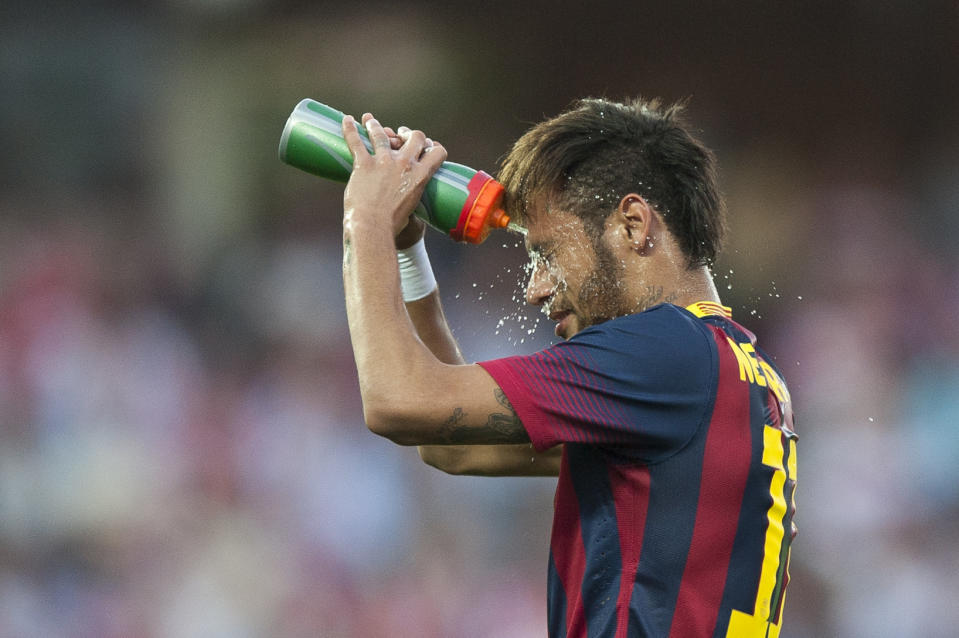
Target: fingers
[
  {"x": 417, "y": 146},
  {"x": 413, "y": 144},
  {"x": 353, "y": 140},
  {"x": 406, "y": 134},
  {"x": 433, "y": 156},
  {"x": 424, "y": 151},
  {"x": 378, "y": 136},
  {"x": 395, "y": 140}
]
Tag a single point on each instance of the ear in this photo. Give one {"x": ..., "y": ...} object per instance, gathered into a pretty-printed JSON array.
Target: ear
[{"x": 634, "y": 222}]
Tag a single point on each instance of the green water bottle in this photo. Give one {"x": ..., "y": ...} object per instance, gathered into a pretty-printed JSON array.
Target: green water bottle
[{"x": 458, "y": 200}]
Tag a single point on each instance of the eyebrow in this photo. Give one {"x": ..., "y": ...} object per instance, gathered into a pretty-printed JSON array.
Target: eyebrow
[{"x": 540, "y": 246}]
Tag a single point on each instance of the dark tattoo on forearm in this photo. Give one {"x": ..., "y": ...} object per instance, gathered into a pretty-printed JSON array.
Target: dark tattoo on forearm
[
  {"x": 499, "y": 428},
  {"x": 453, "y": 423}
]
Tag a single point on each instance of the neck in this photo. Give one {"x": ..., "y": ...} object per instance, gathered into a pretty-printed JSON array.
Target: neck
[
  {"x": 682, "y": 288},
  {"x": 695, "y": 285}
]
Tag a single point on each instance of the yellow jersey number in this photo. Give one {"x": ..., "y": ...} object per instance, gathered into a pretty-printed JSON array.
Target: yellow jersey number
[{"x": 763, "y": 621}]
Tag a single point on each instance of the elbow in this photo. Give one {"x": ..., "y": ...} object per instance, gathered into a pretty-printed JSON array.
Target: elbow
[
  {"x": 390, "y": 423},
  {"x": 378, "y": 421},
  {"x": 447, "y": 459}
]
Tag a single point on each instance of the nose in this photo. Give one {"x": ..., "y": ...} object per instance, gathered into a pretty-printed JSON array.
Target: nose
[{"x": 540, "y": 286}]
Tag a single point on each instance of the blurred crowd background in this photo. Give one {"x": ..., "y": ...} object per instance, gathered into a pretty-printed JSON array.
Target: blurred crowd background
[{"x": 182, "y": 452}]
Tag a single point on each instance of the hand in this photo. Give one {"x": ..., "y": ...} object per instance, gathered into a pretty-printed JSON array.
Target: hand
[
  {"x": 387, "y": 185},
  {"x": 415, "y": 227}
]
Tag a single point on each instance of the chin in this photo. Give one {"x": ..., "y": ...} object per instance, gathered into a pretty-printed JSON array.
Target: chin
[{"x": 571, "y": 331}]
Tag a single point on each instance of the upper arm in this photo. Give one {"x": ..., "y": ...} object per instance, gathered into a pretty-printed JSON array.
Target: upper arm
[
  {"x": 455, "y": 405},
  {"x": 642, "y": 383}
]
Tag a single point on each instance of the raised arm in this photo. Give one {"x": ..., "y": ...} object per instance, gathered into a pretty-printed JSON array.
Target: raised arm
[
  {"x": 409, "y": 394},
  {"x": 520, "y": 459}
]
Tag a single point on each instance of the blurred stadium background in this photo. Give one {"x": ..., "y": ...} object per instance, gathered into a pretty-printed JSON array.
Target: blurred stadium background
[{"x": 181, "y": 446}]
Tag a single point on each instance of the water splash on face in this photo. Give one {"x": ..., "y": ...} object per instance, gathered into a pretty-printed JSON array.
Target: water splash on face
[{"x": 516, "y": 321}]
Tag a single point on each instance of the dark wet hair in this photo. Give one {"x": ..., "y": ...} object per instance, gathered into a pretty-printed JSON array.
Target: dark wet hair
[{"x": 588, "y": 158}]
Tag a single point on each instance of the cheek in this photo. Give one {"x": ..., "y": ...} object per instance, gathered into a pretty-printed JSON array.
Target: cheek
[
  {"x": 602, "y": 291},
  {"x": 544, "y": 271},
  {"x": 593, "y": 291},
  {"x": 558, "y": 276}
]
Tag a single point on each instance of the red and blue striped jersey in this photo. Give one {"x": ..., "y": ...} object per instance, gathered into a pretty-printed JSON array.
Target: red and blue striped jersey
[{"x": 673, "y": 510}]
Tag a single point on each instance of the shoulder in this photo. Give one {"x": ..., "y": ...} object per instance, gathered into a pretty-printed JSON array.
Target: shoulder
[
  {"x": 662, "y": 342},
  {"x": 659, "y": 345},
  {"x": 660, "y": 324}
]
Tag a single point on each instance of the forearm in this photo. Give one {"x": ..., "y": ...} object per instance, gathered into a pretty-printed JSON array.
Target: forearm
[
  {"x": 428, "y": 319},
  {"x": 493, "y": 460},
  {"x": 387, "y": 351}
]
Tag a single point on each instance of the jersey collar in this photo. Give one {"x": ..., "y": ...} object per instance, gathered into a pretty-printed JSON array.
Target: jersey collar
[{"x": 706, "y": 308}]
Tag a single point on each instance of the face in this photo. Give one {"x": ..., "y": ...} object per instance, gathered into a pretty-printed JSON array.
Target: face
[{"x": 577, "y": 284}]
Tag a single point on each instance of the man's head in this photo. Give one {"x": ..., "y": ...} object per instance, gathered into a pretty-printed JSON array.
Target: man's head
[{"x": 627, "y": 175}]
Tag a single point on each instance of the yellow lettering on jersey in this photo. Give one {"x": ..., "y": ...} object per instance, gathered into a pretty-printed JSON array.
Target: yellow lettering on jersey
[
  {"x": 745, "y": 370},
  {"x": 745, "y": 626},
  {"x": 748, "y": 364},
  {"x": 775, "y": 383},
  {"x": 773, "y": 456},
  {"x": 757, "y": 624},
  {"x": 754, "y": 363}
]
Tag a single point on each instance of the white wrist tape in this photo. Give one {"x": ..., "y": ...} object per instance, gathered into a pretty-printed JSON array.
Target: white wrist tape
[{"x": 416, "y": 275}]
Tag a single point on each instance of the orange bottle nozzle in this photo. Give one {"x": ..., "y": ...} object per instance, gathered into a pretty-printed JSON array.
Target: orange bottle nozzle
[
  {"x": 498, "y": 219},
  {"x": 482, "y": 211}
]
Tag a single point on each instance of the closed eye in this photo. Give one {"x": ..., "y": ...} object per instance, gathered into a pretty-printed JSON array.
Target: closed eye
[{"x": 541, "y": 253}]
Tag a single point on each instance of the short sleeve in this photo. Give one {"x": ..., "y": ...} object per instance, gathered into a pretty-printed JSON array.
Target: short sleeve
[{"x": 643, "y": 383}]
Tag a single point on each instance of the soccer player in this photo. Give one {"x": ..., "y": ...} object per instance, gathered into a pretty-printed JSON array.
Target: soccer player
[{"x": 669, "y": 428}]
